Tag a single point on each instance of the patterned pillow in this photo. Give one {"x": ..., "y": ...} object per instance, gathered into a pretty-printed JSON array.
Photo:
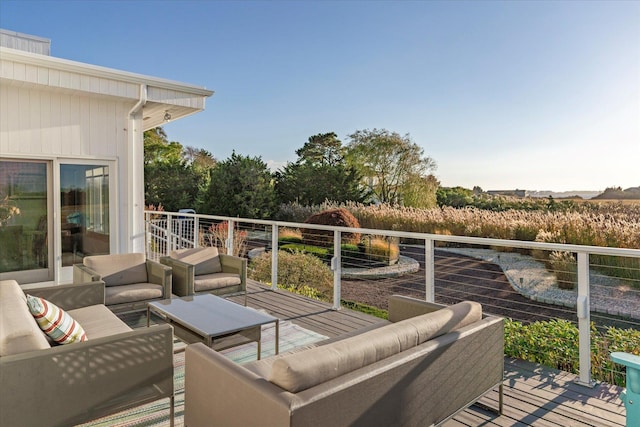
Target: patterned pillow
[{"x": 55, "y": 322}]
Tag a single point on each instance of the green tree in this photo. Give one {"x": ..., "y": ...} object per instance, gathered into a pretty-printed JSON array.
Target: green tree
[
  {"x": 420, "y": 192},
  {"x": 457, "y": 197},
  {"x": 175, "y": 177},
  {"x": 388, "y": 162},
  {"x": 241, "y": 186},
  {"x": 320, "y": 173}
]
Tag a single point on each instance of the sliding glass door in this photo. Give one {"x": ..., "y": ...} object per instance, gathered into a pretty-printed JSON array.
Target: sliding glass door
[
  {"x": 50, "y": 221},
  {"x": 84, "y": 211},
  {"x": 25, "y": 221}
]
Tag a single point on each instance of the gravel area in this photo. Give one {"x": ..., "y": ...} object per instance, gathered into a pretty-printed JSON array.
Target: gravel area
[{"x": 531, "y": 279}]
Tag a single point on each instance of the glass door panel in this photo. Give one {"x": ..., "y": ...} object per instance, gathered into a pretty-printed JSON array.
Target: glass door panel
[
  {"x": 84, "y": 211},
  {"x": 24, "y": 221}
]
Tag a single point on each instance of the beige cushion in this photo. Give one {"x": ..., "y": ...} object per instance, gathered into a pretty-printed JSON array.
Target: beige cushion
[
  {"x": 119, "y": 269},
  {"x": 19, "y": 331},
  {"x": 205, "y": 260},
  {"x": 98, "y": 321},
  {"x": 208, "y": 282},
  {"x": 300, "y": 371},
  {"x": 132, "y": 293}
]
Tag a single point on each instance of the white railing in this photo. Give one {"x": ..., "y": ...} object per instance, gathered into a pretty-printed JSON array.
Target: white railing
[{"x": 169, "y": 231}]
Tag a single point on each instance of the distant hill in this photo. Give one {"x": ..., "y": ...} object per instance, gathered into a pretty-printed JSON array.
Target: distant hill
[{"x": 617, "y": 193}]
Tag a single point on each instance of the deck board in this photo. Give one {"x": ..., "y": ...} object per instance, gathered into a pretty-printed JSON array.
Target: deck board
[{"x": 533, "y": 395}]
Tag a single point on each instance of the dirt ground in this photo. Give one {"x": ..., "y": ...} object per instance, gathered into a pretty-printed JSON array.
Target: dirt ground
[{"x": 459, "y": 277}]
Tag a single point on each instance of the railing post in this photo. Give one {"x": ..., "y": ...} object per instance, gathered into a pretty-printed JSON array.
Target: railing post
[
  {"x": 169, "y": 233},
  {"x": 583, "y": 306},
  {"x": 147, "y": 234},
  {"x": 336, "y": 266},
  {"x": 274, "y": 257},
  {"x": 429, "y": 271},
  {"x": 229, "y": 242},
  {"x": 196, "y": 232}
]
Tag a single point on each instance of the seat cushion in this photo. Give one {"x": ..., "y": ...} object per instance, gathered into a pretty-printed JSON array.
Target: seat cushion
[
  {"x": 132, "y": 293},
  {"x": 119, "y": 269},
  {"x": 98, "y": 321},
  {"x": 19, "y": 331},
  {"x": 59, "y": 325},
  {"x": 205, "y": 260},
  {"x": 300, "y": 371},
  {"x": 208, "y": 282}
]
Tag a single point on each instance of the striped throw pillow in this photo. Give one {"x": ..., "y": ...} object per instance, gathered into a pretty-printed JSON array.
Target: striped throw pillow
[{"x": 55, "y": 322}]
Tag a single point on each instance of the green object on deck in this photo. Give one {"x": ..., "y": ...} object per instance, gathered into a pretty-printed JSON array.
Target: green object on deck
[{"x": 631, "y": 395}]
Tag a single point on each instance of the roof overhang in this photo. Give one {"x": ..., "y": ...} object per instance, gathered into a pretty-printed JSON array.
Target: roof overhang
[{"x": 56, "y": 74}]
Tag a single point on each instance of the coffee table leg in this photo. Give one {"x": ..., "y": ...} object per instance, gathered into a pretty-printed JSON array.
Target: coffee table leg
[
  {"x": 259, "y": 341},
  {"x": 277, "y": 336}
]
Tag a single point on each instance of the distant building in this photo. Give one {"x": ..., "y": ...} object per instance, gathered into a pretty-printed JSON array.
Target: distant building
[{"x": 513, "y": 193}]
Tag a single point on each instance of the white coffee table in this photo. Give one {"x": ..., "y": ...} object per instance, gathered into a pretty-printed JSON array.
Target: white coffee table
[{"x": 208, "y": 318}]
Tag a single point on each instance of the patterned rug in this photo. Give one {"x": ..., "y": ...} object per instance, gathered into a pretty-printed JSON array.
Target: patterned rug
[{"x": 157, "y": 413}]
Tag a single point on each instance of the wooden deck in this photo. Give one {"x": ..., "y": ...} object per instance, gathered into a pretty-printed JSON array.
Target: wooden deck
[{"x": 533, "y": 395}]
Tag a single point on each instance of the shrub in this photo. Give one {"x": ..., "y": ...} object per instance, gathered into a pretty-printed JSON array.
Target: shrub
[
  {"x": 381, "y": 249},
  {"x": 322, "y": 253},
  {"x": 335, "y": 217},
  {"x": 289, "y": 235},
  {"x": 295, "y": 270},
  {"x": 554, "y": 343}
]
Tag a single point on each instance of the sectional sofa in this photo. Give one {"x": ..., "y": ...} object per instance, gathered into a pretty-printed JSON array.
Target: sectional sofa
[
  {"x": 45, "y": 384},
  {"x": 419, "y": 369}
]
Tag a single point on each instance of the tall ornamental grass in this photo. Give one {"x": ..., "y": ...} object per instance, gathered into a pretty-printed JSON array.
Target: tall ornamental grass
[{"x": 592, "y": 224}]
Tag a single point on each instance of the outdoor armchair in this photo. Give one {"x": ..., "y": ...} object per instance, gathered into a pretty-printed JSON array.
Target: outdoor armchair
[
  {"x": 205, "y": 270},
  {"x": 131, "y": 280}
]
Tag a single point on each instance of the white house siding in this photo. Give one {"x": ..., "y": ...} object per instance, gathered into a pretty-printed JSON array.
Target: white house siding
[
  {"x": 46, "y": 124},
  {"x": 59, "y": 110}
]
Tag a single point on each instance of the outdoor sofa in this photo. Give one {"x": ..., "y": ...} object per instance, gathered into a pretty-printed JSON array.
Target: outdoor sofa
[
  {"x": 421, "y": 368},
  {"x": 45, "y": 384},
  {"x": 204, "y": 270},
  {"x": 131, "y": 280}
]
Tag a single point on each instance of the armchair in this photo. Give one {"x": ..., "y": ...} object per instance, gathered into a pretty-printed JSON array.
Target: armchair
[
  {"x": 205, "y": 270},
  {"x": 131, "y": 280}
]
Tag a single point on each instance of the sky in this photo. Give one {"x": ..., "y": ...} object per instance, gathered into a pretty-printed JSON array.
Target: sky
[{"x": 536, "y": 95}]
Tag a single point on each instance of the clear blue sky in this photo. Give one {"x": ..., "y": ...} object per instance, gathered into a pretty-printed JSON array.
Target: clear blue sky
[{"x": 521, "y": 94}]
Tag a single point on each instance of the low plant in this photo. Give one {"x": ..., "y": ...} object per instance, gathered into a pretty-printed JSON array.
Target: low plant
[
  {"x": 217, "y": 234},
  {"x": 295, "y": 270},
  {"x": 380, "y": 249},
  {"x": 289, "y": 235},
  {"x": 554, "y": 343}
]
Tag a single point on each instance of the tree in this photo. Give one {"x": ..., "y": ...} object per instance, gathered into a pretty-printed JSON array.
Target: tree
[
  {"x": 457, "y": 197},
  {"x": 241, "y": 186},
  {"x": 174, "y": 176},
  {"x": 322, "y": 149},
  {"x": 420, "y": 192},
  {"x": 388, "y": 162},
  {"x": 319, "y": 174}
]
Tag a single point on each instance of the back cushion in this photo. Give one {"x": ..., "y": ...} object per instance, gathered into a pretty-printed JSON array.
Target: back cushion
[
  {"x": 19, "y": 331},
  {"x": 301, "y": 371},
  {"x": 119, "y": 269},
  {"x": 205, "y": 260}
]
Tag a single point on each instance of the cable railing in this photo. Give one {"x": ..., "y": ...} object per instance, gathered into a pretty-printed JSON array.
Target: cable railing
[{"x": 582, "y": 294}]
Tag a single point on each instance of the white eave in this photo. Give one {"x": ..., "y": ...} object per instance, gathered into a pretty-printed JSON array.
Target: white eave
[{"x": 33, "y": 70}]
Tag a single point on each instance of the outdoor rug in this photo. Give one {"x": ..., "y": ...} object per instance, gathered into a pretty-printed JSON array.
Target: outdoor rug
[{"x": 157, "y": 413}]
